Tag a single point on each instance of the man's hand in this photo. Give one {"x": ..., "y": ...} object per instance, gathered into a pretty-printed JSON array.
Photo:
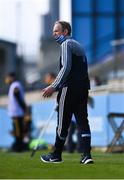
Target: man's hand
[{"x": 48, "y": 91}]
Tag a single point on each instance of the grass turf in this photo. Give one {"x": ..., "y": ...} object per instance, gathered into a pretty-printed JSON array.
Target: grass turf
[{"x": 15, "y": 165}]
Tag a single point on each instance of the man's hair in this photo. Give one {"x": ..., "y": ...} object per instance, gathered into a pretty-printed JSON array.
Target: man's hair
[
  {"x": 12, "y": 74},
  {"x": 65, "y": 25}
]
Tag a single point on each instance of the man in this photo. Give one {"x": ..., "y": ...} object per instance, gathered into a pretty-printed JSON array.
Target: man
[
  {"x": 16, "y": 110},
  {"x": 72, "y": 82}
]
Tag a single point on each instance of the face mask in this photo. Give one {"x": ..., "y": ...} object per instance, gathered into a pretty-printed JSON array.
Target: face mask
[{"x": 59, "y": 39}]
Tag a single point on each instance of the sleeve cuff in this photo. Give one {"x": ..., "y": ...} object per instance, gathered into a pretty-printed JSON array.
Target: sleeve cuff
[{"x": 56, "y": 88}]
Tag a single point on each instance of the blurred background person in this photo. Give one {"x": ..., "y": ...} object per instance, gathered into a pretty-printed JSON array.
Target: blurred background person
[
  {"x": 95, "y": 81},
  {"x": 49, "y": 78},
  {"x": 27, "y": 127},
  {"x": 16, "y": 109}
]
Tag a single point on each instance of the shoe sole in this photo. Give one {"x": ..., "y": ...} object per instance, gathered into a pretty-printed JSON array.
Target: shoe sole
[
  {"x": 50, "y": 161},
  {"x": 88, "y": 161}
]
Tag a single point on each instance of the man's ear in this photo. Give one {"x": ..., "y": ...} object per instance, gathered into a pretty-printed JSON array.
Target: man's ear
[{"x": 66, "y": 32}]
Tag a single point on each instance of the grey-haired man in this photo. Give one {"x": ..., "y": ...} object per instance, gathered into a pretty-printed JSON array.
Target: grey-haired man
[{"x": 72, "y": 82}]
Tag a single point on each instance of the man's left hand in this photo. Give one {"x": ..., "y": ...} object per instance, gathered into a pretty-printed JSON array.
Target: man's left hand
[{"x": 48, "y": 91}]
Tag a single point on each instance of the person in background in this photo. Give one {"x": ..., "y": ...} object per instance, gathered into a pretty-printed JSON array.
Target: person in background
[
  {"x": 16, "y": 110},
  {"x": 27, "y": 127},
  {"x": 95, "y": 81},
  {"x": 49, "y": 78}
]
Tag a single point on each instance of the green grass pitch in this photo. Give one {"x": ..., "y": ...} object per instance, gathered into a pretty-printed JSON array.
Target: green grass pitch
[{"x": 15, "y": 165}]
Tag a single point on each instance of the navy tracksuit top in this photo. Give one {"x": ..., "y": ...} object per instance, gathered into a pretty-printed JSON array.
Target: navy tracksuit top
[{"x": 73, "y": 66}]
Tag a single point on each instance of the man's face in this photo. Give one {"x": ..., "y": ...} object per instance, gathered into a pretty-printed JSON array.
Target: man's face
[
  {"x": 8, "y": 80},
  {"x": 57, "y": 30}
]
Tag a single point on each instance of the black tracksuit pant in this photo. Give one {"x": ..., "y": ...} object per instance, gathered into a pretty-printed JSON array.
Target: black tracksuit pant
[{"x": 72, "y": 101}]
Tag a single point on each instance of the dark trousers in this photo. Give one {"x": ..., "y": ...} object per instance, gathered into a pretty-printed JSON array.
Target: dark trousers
[
  {"x": 72, "y": 101},
  {"x": 70, "y": 144},
  {"x": 18, "y": 132}
]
